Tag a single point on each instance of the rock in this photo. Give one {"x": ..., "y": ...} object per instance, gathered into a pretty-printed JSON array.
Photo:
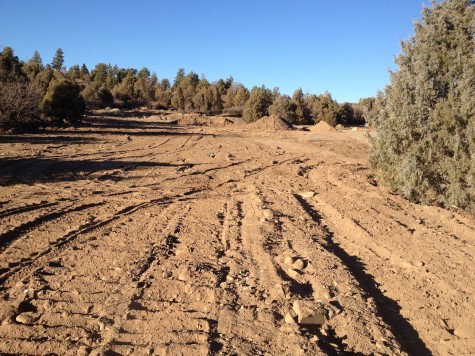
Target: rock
[
  {"x": 298, "y": 264},
  {"x": 290, "y": 317},
  {"x": 309, "y": 312},
  {"x": 27, "y": 318},
  {"x": 268, "y": 214},
  {"x": 184, "y": 275},
  {"x": 307, "y": 195},
  {"x": 83, "y": 351},
  {"x": 465, "y": 331},
  {"x": 289, "y": 260},
  {"x": 293, "y": 273}
]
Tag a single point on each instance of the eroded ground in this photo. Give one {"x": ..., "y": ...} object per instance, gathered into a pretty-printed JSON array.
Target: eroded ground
[{"x": 134, "y": 236}]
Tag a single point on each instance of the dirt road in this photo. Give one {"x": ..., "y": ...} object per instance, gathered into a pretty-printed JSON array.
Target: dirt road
[{"x": 135, "y": 236}]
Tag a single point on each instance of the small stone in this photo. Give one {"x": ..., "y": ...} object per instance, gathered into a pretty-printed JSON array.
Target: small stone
[
  {"x": 309, "y": 313},
  {"x": 298, "y": 264},
  {"x": 224, "y": 285},
  {"x": 83, "y": 351},
  {"x": 289, "y": 260},
  {"x": 307, "y": 195},
  {"x": 293, "y": 273},
  {"x": 289, "y": 319},
  {"x": 268, "y": 214},
  {"x": 27, "y": 318},
  {"x": 418, "y": 263},
  {"x": 229, "y": 279}
]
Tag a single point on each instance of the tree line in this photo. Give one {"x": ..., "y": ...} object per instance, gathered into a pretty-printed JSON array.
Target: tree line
[{"x": 59, "y": 94}]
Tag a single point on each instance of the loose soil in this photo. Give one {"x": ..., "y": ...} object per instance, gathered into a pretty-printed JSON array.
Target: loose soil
[
  {"x": 139, "y": 236},
  {"x": 272, "y": 123},
  {"x": 322, "y": 126}
]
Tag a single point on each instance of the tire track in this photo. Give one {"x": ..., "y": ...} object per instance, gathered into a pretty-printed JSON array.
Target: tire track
[{"x": 388, "y": 309}]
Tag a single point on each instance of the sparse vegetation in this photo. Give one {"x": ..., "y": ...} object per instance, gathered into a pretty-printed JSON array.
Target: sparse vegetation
[{"x": 19, "y": 104}]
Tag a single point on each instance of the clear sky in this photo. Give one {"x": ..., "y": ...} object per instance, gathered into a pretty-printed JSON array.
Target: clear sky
[{"x": 345, "y": 46}]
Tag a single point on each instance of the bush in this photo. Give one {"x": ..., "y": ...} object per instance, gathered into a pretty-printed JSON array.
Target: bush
[
  {"x": 19, "y": 104},
  {"x": 425, "y": 146},
  {"x": 63, "y": 101},
  {"x": 284, "y": 108},
  {"x": 257, "y": 105}
]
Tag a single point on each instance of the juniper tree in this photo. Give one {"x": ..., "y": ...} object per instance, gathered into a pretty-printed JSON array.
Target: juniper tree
[
  {"x": 425, "y": 146},
  {"x": 284, "y": 107},
  {"x": 258, "y": 104}
]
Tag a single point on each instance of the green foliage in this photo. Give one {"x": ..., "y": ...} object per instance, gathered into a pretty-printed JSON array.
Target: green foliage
[
  {"x": 425, "y": 146},
  {"x": 258, "y": 104},
  {"x": 10, "y": 66},
  {"x": 184, "y": 90},
  {"x": 33, "y": 67},
  {"x": 43, "y": 78},
  {"x": 235, "y": 99},
  {"x": 302, "y": 112},
  {"x": 323, "y": 108},
  {"x": 19, "y": 103},
  {"x": 284, "y": 107},
  {"x": 63, "y": 101},
  {"x": 124, "y": 91},
  {"x": 208, "y": 98},
  {"x": 58, "y": 60}
]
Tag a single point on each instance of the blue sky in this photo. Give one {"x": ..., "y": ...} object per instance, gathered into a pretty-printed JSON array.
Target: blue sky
[{"x": 345, "y": 47}]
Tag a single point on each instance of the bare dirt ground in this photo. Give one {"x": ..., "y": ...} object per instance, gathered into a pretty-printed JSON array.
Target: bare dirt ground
[{"x": 134, "y": 236}]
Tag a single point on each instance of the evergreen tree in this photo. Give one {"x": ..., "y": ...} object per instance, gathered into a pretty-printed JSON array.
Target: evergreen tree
[
  {"x": 63, "y": 100},
  {"x": 37, "y": 58},
  {"x": 302, "y": 113},
  {"x": 58, "y": 60},
  {"x": 323, "y": 108},
  {"x": 84, "y": 72},
  {"x": 425, "y": 147},
  {"x": 284, "y": 107},
  {"x": 10, "y": 66},
  {"x": 34, "y": 66},
  {"x": 258, "y": 104},
  {"x": 179, "y": 76}
]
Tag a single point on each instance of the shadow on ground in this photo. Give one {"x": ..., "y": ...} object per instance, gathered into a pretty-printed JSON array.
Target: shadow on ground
[{"x": 37, "y": 169}]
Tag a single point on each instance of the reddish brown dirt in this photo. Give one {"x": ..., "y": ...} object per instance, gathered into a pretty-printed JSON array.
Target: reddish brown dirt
[{"x": 134, "y": 236}]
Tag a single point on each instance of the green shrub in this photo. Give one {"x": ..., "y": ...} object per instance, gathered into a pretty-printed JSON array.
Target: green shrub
[
  {"x": 63, "y": 101},
  {"x": 257, "y": 105},
  {"x": 425, "y": 145}
]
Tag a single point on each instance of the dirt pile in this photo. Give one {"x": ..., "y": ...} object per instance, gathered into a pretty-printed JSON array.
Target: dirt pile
[
  {"x": 271, "y": 122},
  {"x": 194, "y": 120},
  {"x": 322, "y": 126}
]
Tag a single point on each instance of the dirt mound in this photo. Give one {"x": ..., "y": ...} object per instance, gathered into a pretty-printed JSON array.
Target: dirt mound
[
  {"x": 271, "y": 122},
  {"x": 194, "y": 120},
  {"x": 322, "y": 126}
]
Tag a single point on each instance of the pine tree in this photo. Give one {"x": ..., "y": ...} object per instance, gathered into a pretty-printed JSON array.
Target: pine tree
[
  {"x": 425, "y": 147},
  {"x": 37, "y": 58},
  {"x": 58, "y": 60}
]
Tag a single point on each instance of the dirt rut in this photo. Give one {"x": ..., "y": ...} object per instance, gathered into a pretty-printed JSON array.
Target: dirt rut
[{"x": 141, "y": 237}]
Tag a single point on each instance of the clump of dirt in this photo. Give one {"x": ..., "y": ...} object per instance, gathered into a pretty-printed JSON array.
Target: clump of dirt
[
  {"x": 271, "y": 122},
  {"x": 322, "y": 126},
  {"x": 194, "y": 120}
]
